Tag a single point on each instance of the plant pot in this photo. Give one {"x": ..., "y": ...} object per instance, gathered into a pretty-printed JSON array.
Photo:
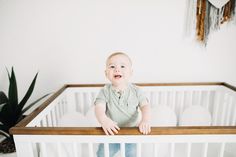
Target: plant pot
[{"x": 7, "y": 146}]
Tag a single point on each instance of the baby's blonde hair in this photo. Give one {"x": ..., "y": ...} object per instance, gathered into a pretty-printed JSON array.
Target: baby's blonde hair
[{"x": 116, "y": 54}]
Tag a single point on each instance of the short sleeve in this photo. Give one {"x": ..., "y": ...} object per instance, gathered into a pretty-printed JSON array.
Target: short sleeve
[
  {"x": 101, "y": 97},
  {"x": 142, "y": 99}
]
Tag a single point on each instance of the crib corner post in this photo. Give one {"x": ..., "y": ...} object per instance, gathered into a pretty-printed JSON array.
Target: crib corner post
[{"x": 23, "y": 148}]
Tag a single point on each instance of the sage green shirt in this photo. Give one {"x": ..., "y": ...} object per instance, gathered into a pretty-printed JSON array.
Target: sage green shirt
[{"x": 123, "y": 108}]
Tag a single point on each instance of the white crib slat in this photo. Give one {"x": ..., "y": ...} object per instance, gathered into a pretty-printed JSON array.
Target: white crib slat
[
  {"x": 122, "y": 149},
  {"x": 234, "y": 114},
  {"x": 216, "y": 107},
  {"x": 89, "y": 102},
  {"x": 156, "y": 149},
  {"x": 222, "y": 149},
  {"x": 90, "y": 99},
  {"x": 181, "y": 107},
  {"x": 54, "y": 120},
  {"x": 172, "y": 149},
  {"x": 90, "y": 147},
  {"x": 57, "y": 113},
  {"x": 138, "y": 149},
  {"x": 60, "y": 110},
  {"x": 229, "y": 109},
  {"x": 86, "y": 102},
  {"x": 70, "y": 101},
  {"x": 49, "y": 119},
  {"x": 43, "y": 149},
  {"x": 154, "y": 101},
  {"x": 165, "y": 98},
  {"x": 75, "y": 150},
  {"x": 81, "y": 102},
  {"x": 224, "y": 109},
  {"x": 94, "y": 95},
  {"x": 199, "y": 97},
  {"x": 205, "y": 149},
  {"x": 173, "y": 99},
  {"x": 24, "y": 149},
  {"x": 152, "y": 98},
  {"x": 63, "y": 107},
  {"x": 157, "y": 98},
  {"x": 44, "y": 121},
  {"x": 208, "y": 94},
  {"x": 191, "y": 97},
  {"x": 79, "y": 149},
  {"x": 222, "y": 119},
  {"x": 148, "y": 95},
  {"x": 106, "y": 150},
  {"x": 59, "y": 148},
  {"x": 189, "y": 146}
]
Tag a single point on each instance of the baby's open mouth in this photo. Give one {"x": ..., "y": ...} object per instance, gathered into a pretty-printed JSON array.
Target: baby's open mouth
[{"x": 117, "y": 76}]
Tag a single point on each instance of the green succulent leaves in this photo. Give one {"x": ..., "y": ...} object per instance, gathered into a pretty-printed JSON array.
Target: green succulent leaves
[{"x": 10, "y": 110}]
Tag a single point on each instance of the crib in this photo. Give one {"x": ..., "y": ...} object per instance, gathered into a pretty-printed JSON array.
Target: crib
[{"x": 42, "y": 133}]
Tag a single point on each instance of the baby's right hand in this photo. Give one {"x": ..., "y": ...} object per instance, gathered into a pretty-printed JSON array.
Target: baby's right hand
[{"x": 109, "y": 127}]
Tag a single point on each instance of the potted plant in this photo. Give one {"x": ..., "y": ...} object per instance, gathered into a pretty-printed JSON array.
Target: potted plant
[{"x": 11, "y": 111}]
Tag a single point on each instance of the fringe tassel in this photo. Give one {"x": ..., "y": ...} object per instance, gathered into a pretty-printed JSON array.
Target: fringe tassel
[
  {"x": 208, "y": 17},
  {"x": 200, "y": 15}
]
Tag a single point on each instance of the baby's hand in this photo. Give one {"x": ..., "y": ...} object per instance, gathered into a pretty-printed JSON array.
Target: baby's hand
[
  {"x": 109, "y": 127},
  {"x": 144, "y": 127}
]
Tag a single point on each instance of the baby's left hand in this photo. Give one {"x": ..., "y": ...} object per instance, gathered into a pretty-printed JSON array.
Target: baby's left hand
[{"x": 144, "y": 127}]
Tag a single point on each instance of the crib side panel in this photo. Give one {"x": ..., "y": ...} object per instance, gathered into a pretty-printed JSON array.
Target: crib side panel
[
  {"x": 81, "y": 100},
  {"x": 180, "y": 98},
  {"x": 153, "y": 146},
  {"x": 50, "y": 115},
  {"x": 218, "y": 100},
  {"x": 224, "y": 111}
]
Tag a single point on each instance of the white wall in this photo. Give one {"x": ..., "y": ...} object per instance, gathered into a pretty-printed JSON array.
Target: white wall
[{"x": 67, "y": 41}]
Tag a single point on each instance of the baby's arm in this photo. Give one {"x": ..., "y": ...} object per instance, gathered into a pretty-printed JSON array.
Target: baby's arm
[
  {"x": 109, "y": 127},
  {"x": 144, "y": 125}
]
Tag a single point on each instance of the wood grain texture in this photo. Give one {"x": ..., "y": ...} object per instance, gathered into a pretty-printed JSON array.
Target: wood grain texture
[{"x": 124, "y": 131}]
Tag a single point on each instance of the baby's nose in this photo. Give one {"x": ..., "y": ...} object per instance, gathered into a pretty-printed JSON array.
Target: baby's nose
[{"x": 117, "y": 69}]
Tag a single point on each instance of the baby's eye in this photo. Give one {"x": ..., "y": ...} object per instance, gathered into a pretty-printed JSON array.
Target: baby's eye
[
  {"x": 112, "y": 66},
  {"x": 122, "y": 66}
]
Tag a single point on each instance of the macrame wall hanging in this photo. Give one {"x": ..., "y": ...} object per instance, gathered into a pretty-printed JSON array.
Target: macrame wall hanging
[{"x": 204, "y": 16}]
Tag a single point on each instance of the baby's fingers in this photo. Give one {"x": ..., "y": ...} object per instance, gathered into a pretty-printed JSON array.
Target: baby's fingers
[
  {"x": 141, "y": 128},
  {"x": 105, "y": 130},
  {"x": 115, "y": 130},
  {"x": 145, "y": 128},
  {"x": 110, "y": 131}
]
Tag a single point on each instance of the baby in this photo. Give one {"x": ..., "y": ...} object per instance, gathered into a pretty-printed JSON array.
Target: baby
[{"x": 121, "y": 104}]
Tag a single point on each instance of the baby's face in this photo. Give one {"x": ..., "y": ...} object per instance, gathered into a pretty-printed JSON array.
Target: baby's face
[{"x": 118, "y": 70}]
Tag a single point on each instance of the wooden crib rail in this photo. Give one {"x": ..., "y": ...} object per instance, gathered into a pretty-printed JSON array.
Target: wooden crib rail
[{"x": 124, "y": 131}]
